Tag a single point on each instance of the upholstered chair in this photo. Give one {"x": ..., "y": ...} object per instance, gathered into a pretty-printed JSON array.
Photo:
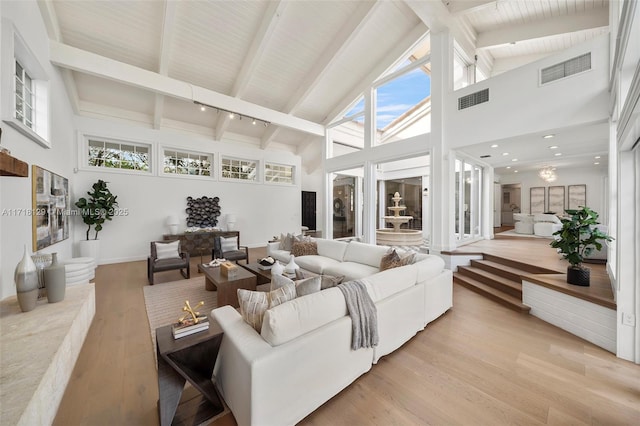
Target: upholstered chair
[
  {"x": 167, "y": 256},
  {"x": 229, "y": 249},
  {"x": 546, "y": 224},
  {"x": 523, "y": 223}
]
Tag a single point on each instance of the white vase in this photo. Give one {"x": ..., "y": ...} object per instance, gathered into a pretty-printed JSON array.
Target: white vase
[
  {"x": 26, "y": 279},
  {"x": 291, "y": 266},
  {"x": 89, "y": 248},
  {"x": 277, "y": 268}
]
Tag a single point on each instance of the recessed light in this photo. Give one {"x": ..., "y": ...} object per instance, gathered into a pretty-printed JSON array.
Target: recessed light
[
  {"x": 508, "y": 167},
  {"x": 597, "y": 157},
  {"x": 596, "y": 163},
  {"x": 515, "y": 171},
  {"x": 558, "y": 154},
  {"x": 203, "y": 108},
  {"x": 494, "y": 145},
  {"x": 553, "y": 147},
  {"x": 505, "y": 153},
  {"x": 549, "y": 136},
  {"x": 514, "y": 159}
]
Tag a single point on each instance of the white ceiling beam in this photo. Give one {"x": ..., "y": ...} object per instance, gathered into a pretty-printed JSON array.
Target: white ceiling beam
[
  {"x": 390, "y": 57},
  {"x": 462, "y": 7},
  {"x": 253, "y": 56},
  {"x": 305, "y": 144},
  {"x": 267, "y": 137},
  {"x": 92, "y": 64},
  {"x": 324, "y": 63},
  {"x": 592, "y": 18},
  {"x": 168, "y": 21}
]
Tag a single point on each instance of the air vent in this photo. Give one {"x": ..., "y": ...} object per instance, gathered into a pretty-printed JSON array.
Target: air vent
[
  {"x": 473, "y": 99},
  {"x": 565, "y": 69},
  {"x": 485, "y": 156}
]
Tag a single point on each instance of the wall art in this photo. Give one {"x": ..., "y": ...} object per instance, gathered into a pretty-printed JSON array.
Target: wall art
[{"x": 50, "y": 208}]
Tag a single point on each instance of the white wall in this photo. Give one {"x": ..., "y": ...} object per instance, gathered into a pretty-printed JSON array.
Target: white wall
[
  {"x": 594, "y": 178},
  {"x": 518, "y": 105},
  {"x": 15, "y": 192},
  {"x": 262, "y": 210}
]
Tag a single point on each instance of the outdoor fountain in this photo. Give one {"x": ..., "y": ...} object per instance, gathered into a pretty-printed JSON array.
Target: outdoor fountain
[{"x": 397, "y": 236}]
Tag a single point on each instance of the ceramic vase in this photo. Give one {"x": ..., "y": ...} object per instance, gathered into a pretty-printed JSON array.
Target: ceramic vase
[
  {"x": 291, "y": 266},
  {"x": 55, "y": 280},
  {"x": 277, "y": 268},
  {"x": 26, "y": 279}
]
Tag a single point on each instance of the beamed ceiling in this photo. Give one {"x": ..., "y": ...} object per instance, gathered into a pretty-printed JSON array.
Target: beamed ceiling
[{"x": 296, "y": 64}]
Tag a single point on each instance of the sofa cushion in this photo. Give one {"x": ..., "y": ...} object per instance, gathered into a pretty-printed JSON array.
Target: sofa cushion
[
  {"x": 367, "y": 254},
  {"x": 308, "y": 286},
  {"x": 390, "y": 260},
  {"x": 331, "y": 248},
  {"x": 389, "y": 282},
  {"x": 305, "y": 248},
  {"x": 316, "y": 264},
  {"x": 350, "y": 270},
  {"x": 285, "y": 322},
  {"x": 281, "y": 255},
  {"x": 326, "y": 281}
]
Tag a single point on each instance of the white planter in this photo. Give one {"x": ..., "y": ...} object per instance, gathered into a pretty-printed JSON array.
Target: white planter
[{"x": 89, "y": 248}]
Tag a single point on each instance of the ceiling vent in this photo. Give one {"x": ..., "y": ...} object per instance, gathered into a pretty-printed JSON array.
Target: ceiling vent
[
  {"x": 473, "y": 99},
  {"x": 565, "y": 69}
]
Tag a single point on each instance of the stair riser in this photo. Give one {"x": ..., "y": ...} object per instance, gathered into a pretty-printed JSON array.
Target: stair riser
[
  {"x": 523, "y": 266},
  {"x": 470, "y": 286},
  {"x": 488, "y": 281},
  {"x": 497, "y": 271}
]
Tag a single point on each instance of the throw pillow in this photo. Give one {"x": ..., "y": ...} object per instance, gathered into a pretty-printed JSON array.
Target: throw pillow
[
  {"x": 304, "y": 248},
  {"x": 229, "y": 244},
  {"x": 308, "y": 286},
  {"x": 278, "y": 281},
  {"x": 390, "y": 260},
  {"x": 282, "y": 294},
  {"x": 253, "y": 305},
  {"x": 407, "y": 259},
  {"x": 168, "y": 250},
  {"x": 286, "y": 241}
]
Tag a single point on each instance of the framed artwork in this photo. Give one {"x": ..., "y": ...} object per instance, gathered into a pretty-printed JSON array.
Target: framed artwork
[
  {"x": 50, "y": 202},
  {"x": 577, "y": 196},
  {"x": 556, "y": 200},
  {"x": 536, "y": 200}
]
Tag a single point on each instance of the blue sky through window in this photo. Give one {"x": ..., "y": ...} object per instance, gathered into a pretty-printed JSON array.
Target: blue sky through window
[{"x": 397, "y": 97}]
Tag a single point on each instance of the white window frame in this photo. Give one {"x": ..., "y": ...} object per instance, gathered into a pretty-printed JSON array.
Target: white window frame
[
  {"x": 161, "y": 157},
  {"x": 267, "y": 164},
  {"x": 234, "y": 158},
  {"x": 14, "y": 48},
  {"x": 83, "y": 155}
]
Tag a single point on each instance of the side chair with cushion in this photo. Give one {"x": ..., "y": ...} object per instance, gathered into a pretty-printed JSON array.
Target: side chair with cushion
[
  {"x": 167, "y": 256},
  {"x": 229, "y": 249}
]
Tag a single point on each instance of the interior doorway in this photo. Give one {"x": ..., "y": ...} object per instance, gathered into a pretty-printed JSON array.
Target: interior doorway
[{"x": 511, "y": 196}]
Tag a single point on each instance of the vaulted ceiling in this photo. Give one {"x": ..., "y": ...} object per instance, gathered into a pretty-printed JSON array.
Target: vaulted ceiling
[{"x": 294, "y": 64}]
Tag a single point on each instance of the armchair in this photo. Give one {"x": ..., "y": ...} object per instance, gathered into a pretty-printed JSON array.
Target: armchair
[
  {"x": 523, "y": 223},
  {"x": 229, "y": 248},
  {"x": 167, "y": 256}
]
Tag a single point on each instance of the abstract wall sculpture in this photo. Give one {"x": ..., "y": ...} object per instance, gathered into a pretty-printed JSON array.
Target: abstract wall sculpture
[{"x": 202, "y": 212}]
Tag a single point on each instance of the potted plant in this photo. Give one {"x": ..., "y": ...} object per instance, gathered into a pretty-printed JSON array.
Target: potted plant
[
  {"x": 95, "y": 211},
  {"x": 577, "y": 239}
]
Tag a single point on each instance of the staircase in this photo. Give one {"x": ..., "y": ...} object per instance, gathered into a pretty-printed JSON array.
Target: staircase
[{"x": 498, "y": 279}]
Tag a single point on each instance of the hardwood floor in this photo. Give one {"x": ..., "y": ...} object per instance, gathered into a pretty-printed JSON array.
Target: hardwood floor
[{"x": 479, "y": 364}]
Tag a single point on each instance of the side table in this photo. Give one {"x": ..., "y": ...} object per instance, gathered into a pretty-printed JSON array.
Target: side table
[{"x": 189, "y": 358}]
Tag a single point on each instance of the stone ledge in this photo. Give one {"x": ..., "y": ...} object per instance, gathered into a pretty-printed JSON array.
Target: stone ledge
[{"x": 38, "y": 353}]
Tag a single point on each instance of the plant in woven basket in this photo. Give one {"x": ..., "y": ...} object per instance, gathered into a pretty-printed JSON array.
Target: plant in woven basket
[{"x": 579, "y": 237}]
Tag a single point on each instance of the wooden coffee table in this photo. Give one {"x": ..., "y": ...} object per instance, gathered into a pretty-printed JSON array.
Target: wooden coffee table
[
  {"x": 263, "y": 275},
  {"x": 227, "y": 287}
]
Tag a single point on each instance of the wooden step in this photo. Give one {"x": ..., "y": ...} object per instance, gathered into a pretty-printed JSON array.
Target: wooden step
[
  {"x": 506, "y": 285},
  {"x": 531, "y": 269},
  {"x": 491, "y": 293},
  {"x": 505, "y": 271}
]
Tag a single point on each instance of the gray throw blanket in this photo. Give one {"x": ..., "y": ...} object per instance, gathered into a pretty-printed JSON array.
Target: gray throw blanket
[{"x": 364, "y": 316}]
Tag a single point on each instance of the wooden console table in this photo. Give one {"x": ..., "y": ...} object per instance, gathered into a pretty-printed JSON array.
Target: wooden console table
[{"x": 198, "y": 243}]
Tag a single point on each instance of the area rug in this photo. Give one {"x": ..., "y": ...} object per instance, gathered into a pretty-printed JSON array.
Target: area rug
[{"x": 164, "y": 302}]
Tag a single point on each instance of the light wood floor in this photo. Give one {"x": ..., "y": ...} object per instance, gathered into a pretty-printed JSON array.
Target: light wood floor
[{"x": 479, "y": 364}]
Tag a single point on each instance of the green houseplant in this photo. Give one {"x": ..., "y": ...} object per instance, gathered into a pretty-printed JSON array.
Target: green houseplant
[
  {"x": 577, "y": 239},
  {"x": 95, "y": 210}
]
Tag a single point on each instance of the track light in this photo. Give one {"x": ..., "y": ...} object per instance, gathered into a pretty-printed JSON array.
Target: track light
[{"x": 232, "y": 114}]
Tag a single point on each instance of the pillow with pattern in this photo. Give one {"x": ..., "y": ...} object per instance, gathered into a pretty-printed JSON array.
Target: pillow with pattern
[
  {"x": 390, "y": 260},
  {"x": 306, "y": 248},
  {"x": 253, "y": 304}
]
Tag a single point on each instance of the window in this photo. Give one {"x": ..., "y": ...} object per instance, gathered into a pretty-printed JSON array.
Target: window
[
  {"x": 25, "y": 84},
  {"x": 187, "y": 163},
  {"x": 278, "y": 173},
  {"x": 118, "y": 155},
  {"x": 233, "y": 168},
  {"x": 24, "y": 96}
]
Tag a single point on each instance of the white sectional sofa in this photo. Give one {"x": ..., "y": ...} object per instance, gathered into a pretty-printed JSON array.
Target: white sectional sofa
[{"x": 303, "y": 356}]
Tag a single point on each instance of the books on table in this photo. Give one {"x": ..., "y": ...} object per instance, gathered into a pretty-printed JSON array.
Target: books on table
[{"x": 181, "y": 330}]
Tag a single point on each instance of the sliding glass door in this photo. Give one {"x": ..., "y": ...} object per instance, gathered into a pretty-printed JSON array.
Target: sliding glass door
[{"x": 468, "y": 200}]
